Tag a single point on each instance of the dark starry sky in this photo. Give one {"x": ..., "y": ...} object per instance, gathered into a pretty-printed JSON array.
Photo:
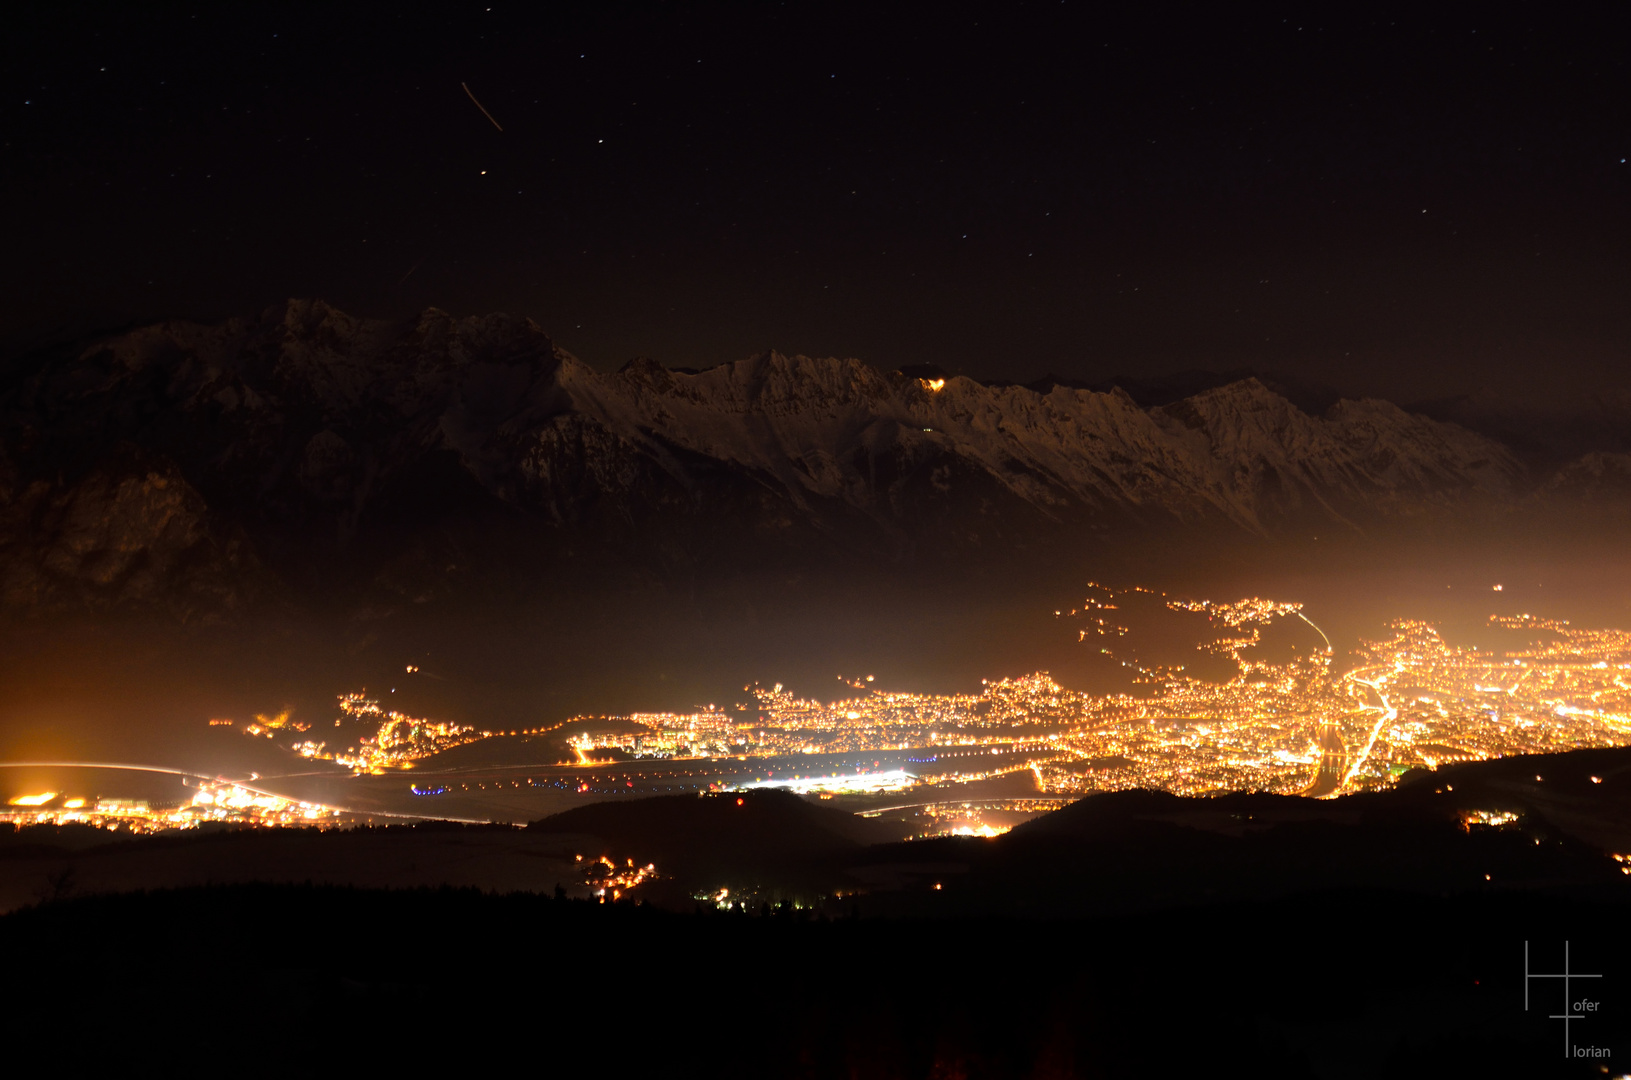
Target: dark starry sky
[{"x": 1390, "y": 202}]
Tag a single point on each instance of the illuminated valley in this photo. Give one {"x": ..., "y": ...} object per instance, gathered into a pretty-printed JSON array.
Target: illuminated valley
[
  {"x": 1211, "y": 698},
  {"x": 1287, "y": 724}
]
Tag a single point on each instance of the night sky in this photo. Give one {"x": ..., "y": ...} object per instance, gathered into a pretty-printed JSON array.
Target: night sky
[{"x": 1415, "y": 206}]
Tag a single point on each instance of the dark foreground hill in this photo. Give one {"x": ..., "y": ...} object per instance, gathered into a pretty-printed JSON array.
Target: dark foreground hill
[
  {"x": 301, "y": 980},
  {"x": 1472, "y": 829},
  {"x": 1544, "y": 823},
  {"x": 1128, "y": 935},
  {"x": 707, "y": 843}
]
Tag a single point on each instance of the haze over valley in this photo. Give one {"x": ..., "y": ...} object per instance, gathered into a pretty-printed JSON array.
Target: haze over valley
[{"x": 264, "y": 513}]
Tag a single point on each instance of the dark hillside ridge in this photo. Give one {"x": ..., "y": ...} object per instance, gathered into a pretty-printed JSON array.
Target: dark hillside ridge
[
  {"x": 1136, "y": 850},
  {"x": 709, "y": 842},
  {"x": 768, "y": 820},
  {"x": 1429, "y": 986},
  {"x": 1104, "y": 854}
]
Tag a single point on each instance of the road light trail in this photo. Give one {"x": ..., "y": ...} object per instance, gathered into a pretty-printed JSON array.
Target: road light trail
[{"x": 1389, "y": 714}]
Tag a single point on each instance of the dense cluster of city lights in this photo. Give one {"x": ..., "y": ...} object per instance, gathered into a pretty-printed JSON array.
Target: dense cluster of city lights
[
  {"x": 371, "y": 739},
  {"x": 1277, "y": 719},
  {"x": 1428, "y": 702},
  {"x": 699, "y": 734},
  {"x": 1287, "y": 725},
  {"x": 219, "y": 802}
]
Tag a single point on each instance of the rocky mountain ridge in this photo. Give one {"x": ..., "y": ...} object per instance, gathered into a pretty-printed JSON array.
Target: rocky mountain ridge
[{"x": 309, "y": 444}]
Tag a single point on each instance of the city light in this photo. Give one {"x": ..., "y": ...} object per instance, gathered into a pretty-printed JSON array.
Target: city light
[
  {"x": 1291, "y": 726},
  {"x": 221, "y": 802},
  {"x": 1284, "y": 721},
  {"x": 860, "y": 783}
]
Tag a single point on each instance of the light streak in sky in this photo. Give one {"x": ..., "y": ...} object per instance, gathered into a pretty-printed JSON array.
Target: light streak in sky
[
  {"x": 1317, "y": 630},
  {"x": 405, "y": 277},
  {"x": 483, "y": 109}
]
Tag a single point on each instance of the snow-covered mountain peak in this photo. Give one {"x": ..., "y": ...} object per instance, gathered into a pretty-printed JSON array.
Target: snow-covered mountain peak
[
  {"x": 311, "y": 396},
  {"x": 306, "y": 426}
]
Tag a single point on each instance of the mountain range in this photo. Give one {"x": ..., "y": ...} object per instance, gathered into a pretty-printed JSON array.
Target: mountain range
[{"x": 307, "y": 452}]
